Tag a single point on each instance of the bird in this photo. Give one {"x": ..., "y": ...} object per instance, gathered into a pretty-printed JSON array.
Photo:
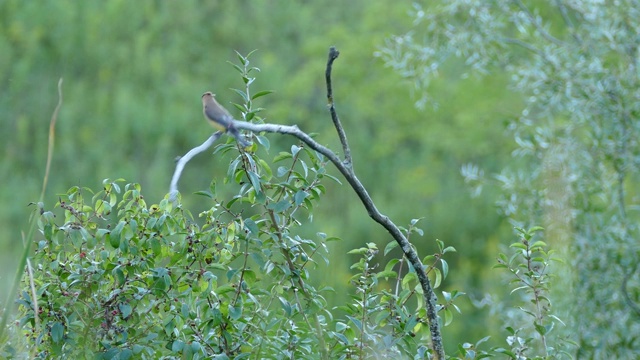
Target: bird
[{"x": 220, "y": 118}]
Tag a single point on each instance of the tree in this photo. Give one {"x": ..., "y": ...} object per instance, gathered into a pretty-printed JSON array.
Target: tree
[
  {"x": 576, "y": 166},
  {"x": 118, "y": 278}
]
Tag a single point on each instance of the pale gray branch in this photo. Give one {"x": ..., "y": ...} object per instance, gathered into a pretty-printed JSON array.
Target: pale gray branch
[{"x": 173, "y": 189}]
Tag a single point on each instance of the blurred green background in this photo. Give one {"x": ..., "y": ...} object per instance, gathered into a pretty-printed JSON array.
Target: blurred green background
[{"x": 134, "y": 72}]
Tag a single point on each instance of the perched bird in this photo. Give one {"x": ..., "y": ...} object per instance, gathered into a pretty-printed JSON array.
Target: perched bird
[{"x": 220, "y": 118}]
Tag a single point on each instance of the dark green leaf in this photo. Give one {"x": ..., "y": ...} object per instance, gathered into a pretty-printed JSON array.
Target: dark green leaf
[{"x": 57, "y": 332}]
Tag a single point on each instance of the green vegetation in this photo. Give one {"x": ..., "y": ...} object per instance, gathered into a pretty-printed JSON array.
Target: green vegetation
[
  {"x": 136, "y": 275},
  {"x": 576, "y": 166}
]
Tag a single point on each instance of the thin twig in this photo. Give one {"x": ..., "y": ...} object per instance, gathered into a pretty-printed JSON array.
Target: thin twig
[
  {"x": 538, "y": 26},
  {"x": 52, "y": 133},
  {"x": 34, "y": 299},
  {"x": 529, "y": 47},
  {"x": 333, "y": 55},
  {"x": 567, "y": 20},
  {"x": 523, "y": 44},
  {"x": 625, "y": 292}
]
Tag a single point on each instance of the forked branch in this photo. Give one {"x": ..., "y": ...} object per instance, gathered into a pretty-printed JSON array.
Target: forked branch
[{"x": 346, "y": 169}]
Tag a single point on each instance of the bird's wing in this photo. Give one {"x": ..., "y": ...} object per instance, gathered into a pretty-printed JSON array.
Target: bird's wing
[{"x": 221, "y": 117}]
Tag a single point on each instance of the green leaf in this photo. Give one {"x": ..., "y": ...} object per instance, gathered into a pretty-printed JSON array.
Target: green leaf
[
  {"x": 204, "y": 193},
  {"x": 255, "y": 181},
  {"x": 445, "y": 268},
  {"x": 252, "y": 226},
  {"x": 280, "y": 206},
  {"x": 282, "y": 156},
  {"x": 535, "y": 229},
  {"x": 242, "y": 94},
  {"x": 57, "y": 332},
  {"x": 540, "y": 329},
  {"x": 387, "y": 274},
  {"x": 281, "y": 171},
  {"x": 356, "y": 322},
  {"x": 118, "y": 274},
  {"x": 212, "y": 188},
  {"x": 359, "y": 251},
  {"x": 266, "y": 168},
  {"x": 243, "y": 60},
  {"x": 295, "y": 149},
  {"x": 125, "y": 310},
  {"x": 225, "y": 289},
  {"x": 391, "y": 264},
  {"x": 438, "y": 279},
  {"x": 340, "y": 326},
  {"x": 116, "y": 234},
  {"x": 286, "y": 306},
  {"x": 390, "y": 246},
  {"x": 408, "y": 278},
  {"x": 113, "y": 240},
  {"x": 261, "y": 93},
  {"x": 238, "y": 68},
  {"x": 300, "y": 196},
  {"x": 196, "y": 348},
  {"x": 76, "y": 237},
  {"x": 448, "y": 316},
  {"x": 177, "y": 346},
  {"x": 235, "y": 312},
  {"x": 449, "y": 249},
  {"x": 125, "y": 354},
  {"x": 540, "y": 244},
  {"x": 264, "y": 141}
]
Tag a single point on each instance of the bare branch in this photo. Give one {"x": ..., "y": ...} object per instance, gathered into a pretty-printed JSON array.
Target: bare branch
[
  {"x": 173, "y": 189},
  {"x": 333, "y": 55},
  {"x": 347, "y": 171}
]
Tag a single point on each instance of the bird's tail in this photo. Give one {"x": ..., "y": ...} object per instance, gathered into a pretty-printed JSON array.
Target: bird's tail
[{"x": 239, "y": 138}]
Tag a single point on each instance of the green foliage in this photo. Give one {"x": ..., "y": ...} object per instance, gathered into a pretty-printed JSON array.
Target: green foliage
[
  {"x": 133, "y": 76},
  {"x": 576, "y": 167},
  {"x": 150, "y": 282},
  {"x": 530, "y": 269},
  {"x": 119, "y": 278}
]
